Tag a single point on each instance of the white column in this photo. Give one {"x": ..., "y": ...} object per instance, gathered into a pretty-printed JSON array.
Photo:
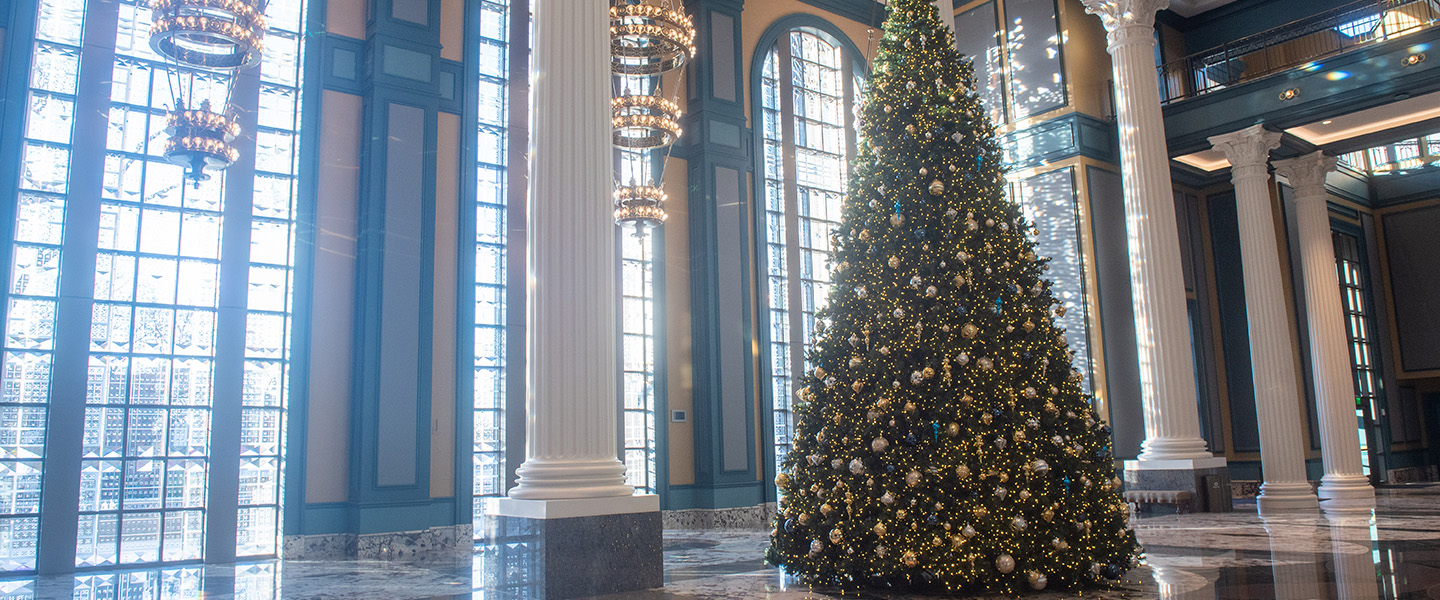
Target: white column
[
  {"x": 1277, "y": 401},
  {"x": 571, "y": 411},
  {"x": 1162, "y": 330},
  {"x": 1329, "y": 349}
]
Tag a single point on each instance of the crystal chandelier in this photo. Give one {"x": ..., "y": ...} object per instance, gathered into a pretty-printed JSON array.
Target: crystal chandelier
[
  {"x": 205, "y": 43},
  {"x": 647, "y": 41}
]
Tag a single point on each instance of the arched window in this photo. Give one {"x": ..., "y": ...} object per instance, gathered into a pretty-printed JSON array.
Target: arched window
[{"x": 809, "y": 85}]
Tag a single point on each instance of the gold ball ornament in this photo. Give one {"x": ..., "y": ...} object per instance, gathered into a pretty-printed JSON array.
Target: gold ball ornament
[
  {"x": 909, "y": 559},
  {"x": 1037, "y": 580},
  {"x": 894, "y": 262},
  {"x": 937, "y": 187},
  {"x": 1005, "y": 563},
  {"x": 879, "y": 529},
  {"x": 836, "y": 536}
]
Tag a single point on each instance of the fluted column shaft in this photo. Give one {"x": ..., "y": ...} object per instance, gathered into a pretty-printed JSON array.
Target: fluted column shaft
[
  {"x": 1271, "y": 351},
  {"x": 1329, "y": 348},
  {"x": 1162, "y": 331},
  {"x": 571, "y": 429}
]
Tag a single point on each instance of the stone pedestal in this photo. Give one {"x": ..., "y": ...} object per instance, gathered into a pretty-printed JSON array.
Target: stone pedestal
[
  {"x": 1207, "y": 480},
  {"x": 577, "y": 548}
]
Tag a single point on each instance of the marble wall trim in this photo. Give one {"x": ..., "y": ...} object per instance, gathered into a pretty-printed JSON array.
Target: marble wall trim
[
  {"x": 402, "y": 545},
  {"x": 744, "y": 517}
]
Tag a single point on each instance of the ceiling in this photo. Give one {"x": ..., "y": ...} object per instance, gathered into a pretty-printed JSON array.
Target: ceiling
[
  {"x": 1336, "y": 130},
  {"x": 1190, "y": 8}
]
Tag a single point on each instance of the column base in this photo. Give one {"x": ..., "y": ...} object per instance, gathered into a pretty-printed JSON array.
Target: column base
[
  {"x": 1346, "y": 493},
  {"x": 1287, "y": 497},
  {"x": 1207, "y": 480},
  {"x": 574, "y": 548}
]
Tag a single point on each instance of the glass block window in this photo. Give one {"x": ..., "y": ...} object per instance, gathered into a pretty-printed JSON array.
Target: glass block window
[
  {"x": 637, "y": 319},
  {"x": 269, "y": 300},
  {"x": 490, "y": 251},
  {"x": 637, "y": 306},
  {"x": 153, "y": 350},
  {"x": 33, "y": 292},
  {"x": 808, "y": 90}
]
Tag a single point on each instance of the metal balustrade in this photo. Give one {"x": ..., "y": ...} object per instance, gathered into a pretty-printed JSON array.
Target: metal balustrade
[{"x": 1293, "y": 45}]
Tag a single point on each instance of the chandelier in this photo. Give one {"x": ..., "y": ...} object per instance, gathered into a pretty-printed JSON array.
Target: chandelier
[
  {"x": 645, "y": 122},
  {"x": 205, "y": 43},
  {"x": 643, "y": 205},
  {"x": 647, "y": 41}
]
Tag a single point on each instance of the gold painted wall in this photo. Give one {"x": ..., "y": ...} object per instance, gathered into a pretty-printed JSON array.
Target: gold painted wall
[
  {"x": 327, "y": 450},
  {"x": 345, "y": 17},
  {"x": 445, "y": 317},
  {"x": 1087, "y": 64},
  {"x": 680, "y": 374}
]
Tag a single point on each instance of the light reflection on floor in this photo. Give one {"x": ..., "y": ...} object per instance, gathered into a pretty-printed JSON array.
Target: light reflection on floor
[{"x": 1393, "y": 554}]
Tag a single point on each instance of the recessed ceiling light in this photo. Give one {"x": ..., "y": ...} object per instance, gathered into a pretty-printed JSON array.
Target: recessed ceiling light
[{"x": 1326, "y": 122}]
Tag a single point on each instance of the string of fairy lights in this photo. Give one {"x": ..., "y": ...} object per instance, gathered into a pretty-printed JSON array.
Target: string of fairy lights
[{"x": 943, "y": 440}]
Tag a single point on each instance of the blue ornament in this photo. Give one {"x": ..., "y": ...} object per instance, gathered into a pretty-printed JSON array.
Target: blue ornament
[
  {"x": 920, "y": 233},
  {"x": 789, "y": 525},
  {"x": 980, "y": 159},
  {"x": 961, "y": 310},
  {"x": 889, "y": 468},
  {"x": 935, "y": 432},
  {"x": 932, "y": 519},
  {"x": 910, "y": 440},
  {"x": 897, "y": 207}
]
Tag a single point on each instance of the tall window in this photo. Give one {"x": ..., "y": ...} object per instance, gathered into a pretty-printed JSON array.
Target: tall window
[
  {"x": 637, "y": 306},
  {"x": 808, "y": 92},
  {"x": 1355, "y": 300},
  {"x": 490, "y": 251},
  {"x": 156, "y": 370}
]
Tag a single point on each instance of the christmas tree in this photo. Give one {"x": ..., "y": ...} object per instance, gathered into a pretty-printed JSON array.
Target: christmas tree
[{"x": 943, "y": 441}]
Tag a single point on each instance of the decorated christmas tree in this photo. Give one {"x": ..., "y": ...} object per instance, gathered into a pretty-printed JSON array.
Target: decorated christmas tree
[{"x": 943, "y": 441}]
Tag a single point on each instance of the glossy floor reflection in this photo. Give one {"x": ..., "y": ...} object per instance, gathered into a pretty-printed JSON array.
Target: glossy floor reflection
[{"x": 1393, "y": 554}]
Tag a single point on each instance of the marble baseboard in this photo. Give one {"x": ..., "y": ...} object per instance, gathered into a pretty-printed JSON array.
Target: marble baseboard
[
  {"x": 1412, "y": 474},
  {"x": 402, "y": 545},
  {"x": 744, "y": 517},
  {"x": 412, "y": 545},
  {"x": 329, "y": 546},
  {"x": 1248, "y": 489}
]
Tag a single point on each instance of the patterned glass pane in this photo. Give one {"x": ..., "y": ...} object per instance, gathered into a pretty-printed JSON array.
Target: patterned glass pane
[{"x": 491, "y": 237}]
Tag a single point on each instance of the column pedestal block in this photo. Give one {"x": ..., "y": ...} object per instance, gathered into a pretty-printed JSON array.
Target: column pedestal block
[
  {"x": 1207, "y": 480},
  {"x": 578, "y": 553}
]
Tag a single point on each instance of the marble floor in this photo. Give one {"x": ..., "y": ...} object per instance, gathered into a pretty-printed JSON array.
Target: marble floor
[{"x": 1392, "y": 553}]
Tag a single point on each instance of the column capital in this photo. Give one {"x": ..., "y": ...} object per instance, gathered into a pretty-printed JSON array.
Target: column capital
[
  {"x": 1248, "y": 150},
  {"x": 1126, "y": 20},
  {"x": 1307, "y": 173}
]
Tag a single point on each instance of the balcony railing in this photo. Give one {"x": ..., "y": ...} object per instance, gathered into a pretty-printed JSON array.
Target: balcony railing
[{"x": 1295, "y": 44}]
